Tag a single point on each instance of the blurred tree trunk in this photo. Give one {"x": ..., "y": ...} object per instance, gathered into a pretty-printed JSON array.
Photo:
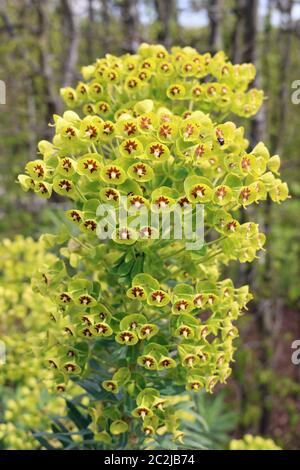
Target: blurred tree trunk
[
  {"x": 32, "y": 117},
  {"x": 268, "y": 312},
  {"x": 250, "y": 54},
  {"x": 246, "y": 39},
  {"x": 130, "y": 25},
  {"x": 50, "y": 96},
  {"x": 244, "y": 34},
  {"x": 250, "y": 21},
  {"x": 215, "y": 15},
  {"x": 105, "y": 25},
  {"x": 236, "y": 34},
  {"x": 166, "y": 13},
  {"x": 248, "y": 12},
  {"x": 284, "y": 43},
  {"x": 267, "y": 82}
]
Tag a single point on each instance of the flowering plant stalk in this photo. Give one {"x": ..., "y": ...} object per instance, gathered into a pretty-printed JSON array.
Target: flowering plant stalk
[
  {"x": 141, "y": 315},
  {"x": 24, "y": 318}
]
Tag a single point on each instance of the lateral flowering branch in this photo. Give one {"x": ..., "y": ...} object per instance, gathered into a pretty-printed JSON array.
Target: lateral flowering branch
[{"x": 149, "y": 129}]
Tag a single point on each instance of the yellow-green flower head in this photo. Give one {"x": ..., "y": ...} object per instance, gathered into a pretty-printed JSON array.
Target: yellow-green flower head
[
  {"x": 173, "y": 77},
  {"x": 250, "y": 442}
]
